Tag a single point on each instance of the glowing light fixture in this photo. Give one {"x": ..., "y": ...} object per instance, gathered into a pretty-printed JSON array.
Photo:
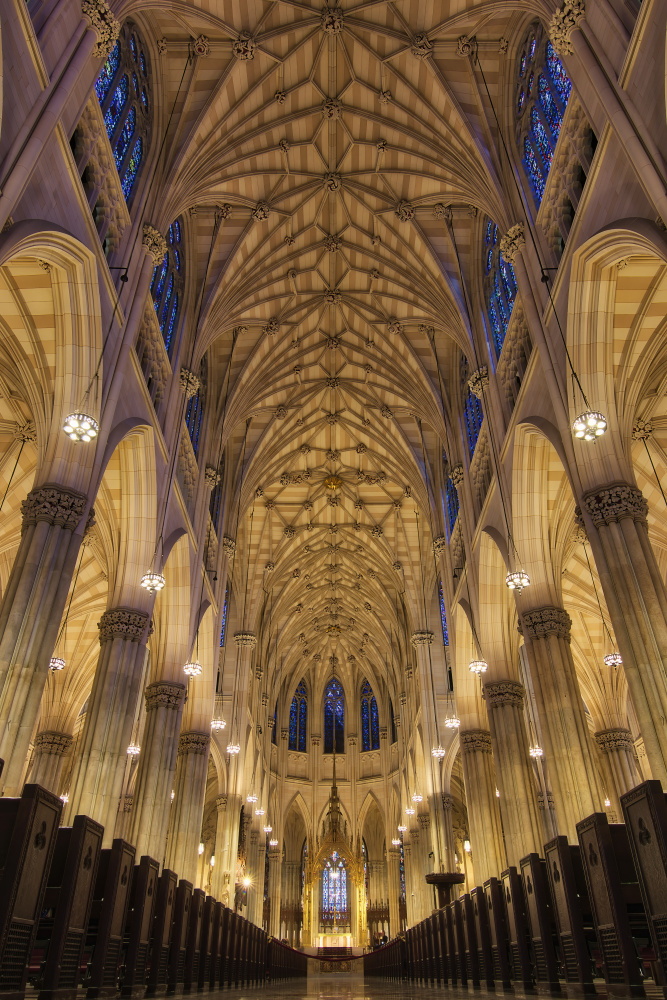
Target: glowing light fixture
[
  {"x": 613, "y": 659},
  {"x": 251, "y": 797},
  {"x": 402, "y": 828},
  {"x": 233, "y": 748},
  {"x": 81, "y": 427},
  {"x": 589, "y": 425},
  {"x": 201, "y": 849},
  {"x": 466, "y": 846},
  {"x": 153, "y": 582},
  {"x": 409, "y": 811},
  {"x": 273, "y": 842},
  {"x": 56, "y": 663},
  {"x": 246, "y": 882},
  {"x": 218, "y": 724},
  {"x": 64, "y": 798},
  {"x": 268, "y": 829},
  {"x": 478, "y": 667},
  {"x": 212, "y": 862},
  {"x": 452, "y": 722},
  {"x": 417, "y": 797},
  {"x": 607, "y": 802},
  {"x": 439, "y": 752},
  {"x": 536, "y": 751},
  {"x": 193, "y": 668},
  {"x": 259, "y": 811},
  {"x": 134, "y": 749},
  {"x": 517, "y": 581}
]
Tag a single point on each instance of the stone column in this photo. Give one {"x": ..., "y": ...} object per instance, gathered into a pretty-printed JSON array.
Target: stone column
[
  {"x": 185, "y": 816},
  {"x": 49, "y": 755},
  {"x": 448, "y": 830},
  {"x": 275, "y": 858},
  {"x": 615, "y": 521},
  {"x": 523, "y": 830},
  {"x": 218, "y": 885},
  {"x": 107, "y": 730},
  {"x": 486, "y": 835},
  {"x": 157, "y": 762},
  {"x": 257, "y": 909},
  {"x": 30, "y": 615},
  {"x": 394, "y": 888},
  {"x": 568, "y": 749},
  {"x": 617, "y": 750},
  {"x": 410, "y": 846}
]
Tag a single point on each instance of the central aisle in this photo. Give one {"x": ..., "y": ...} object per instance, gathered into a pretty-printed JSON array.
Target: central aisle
[{"x": 341, "y": 987}]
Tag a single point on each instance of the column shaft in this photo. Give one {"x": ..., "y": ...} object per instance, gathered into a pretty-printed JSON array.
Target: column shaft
[
  {"x": 187, "y": 808},
  {"x": 50, "y": 753},
  {"x": 619, "y": 760},
  {"x": 486, "y": 835}
]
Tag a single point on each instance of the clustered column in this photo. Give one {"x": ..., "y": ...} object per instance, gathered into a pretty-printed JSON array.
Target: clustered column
[
  {"x": 50, "y": 752},
  {"x": 620, "y": 764},
  {"x": 185, "y": 815},
  {"x": 480, "y": 784}
]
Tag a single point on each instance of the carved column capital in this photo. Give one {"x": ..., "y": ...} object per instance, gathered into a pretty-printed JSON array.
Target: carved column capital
[
  {"x": 104, "y": 24},
  {"x": 456, "y": 476},
  {"x": 439, "y": 545},
  {"x": 642, "y": 430},
  {"x": 422, "y": 637},
  {"x": 189, "y": 383},
  {"x": 615, "y": 739},
  {"x": 542, "y": 622},
  {"x": 164, "y": 694},
  {"x": 513, "y": 242},
  {"x": 475, "y": 741},
  {"x": 247, "y": 639},
  {"x": 563, "y": 23},
  {"x": 221, "y": 803},
  {"x": 609, "y": 504},
  {"x": 154, "y": 243},
  {"x": 122, "y": 623},
  {"x": 55, "y": 505},
  {"x": 53, "y": 743},
  {"x": 315, "y": 739},
  {"x": 479, "y": 381},
  {"x": 499, "y": 693},
  {"x": 211, "y": 477},
  {"x": 196, "y": 743},
  {"x": 228, "y": 545},
  {"x": 447, "y": 802}
]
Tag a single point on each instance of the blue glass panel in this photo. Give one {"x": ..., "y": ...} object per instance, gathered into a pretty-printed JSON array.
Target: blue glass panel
[
  {"x": 127, "y": 183},
  {"x": 561, "y": 80},
  {"x": 401, "y": 870},
  {"x": 542, "y": 140},
  {"x": 443, "y": 615},
  {"x": 533, "y": 170},
  {"x": 177, "y": 258},
  {"x": 522, "y": 65},
  {"x": 167, "y": 303},
  {"x": 135, "y": 81},
  {"x": 124, "y": 139},
  {"x": 375, "y": 725},
  {"x": 157, "y": 286},
  {"x": 495, "y": 234},
  {"x": 302, "y": 725},
  {"x": 340, "y": 728},
  {"x": 521, "y": 101},
  {"x": 105, "y": 79},
  {"x": 509, "y": 281},
  {"x": 489, "y": 259},
  {"x": 549, "y": 106},
  {"x": 496, "y": 327},
  {"x": 293, "y": 724},
  {"x": 328, "y": 728},
  {"x": 531, "y": 81},
  {"x": 170, "y": 234},
  {"x": 502, "y": 310},
  {"x": 473, "y": 417},
  {"x": 172, "y": 323},
  {"x": 142, "y": 63},
  {"x": 177, "y": 231},
  {"x": 452, "y": 501},
  {"x": 365, "y": 726},
  {"x": 224, "y": 619},
  {"x": 489, "y": 231},
  {"x": 531, "y": 48},
  {"x": 118, "y": 101},
  {"x": 325, "y": 889},
  {"x": 133, "y": 47},
  {"x": 144, "y": 98}
]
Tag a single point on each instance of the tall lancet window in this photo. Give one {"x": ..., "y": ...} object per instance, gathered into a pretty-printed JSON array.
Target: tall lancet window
[
  {"x": 542, "y": 91},
  {"x": 123, "y": 90},
  {"x": 298, "y": 719},
  {"x": 334, "y": 890},
  {"x": 334, "y": 717},
  {"x": 167, "y": 285},
  {"x": 443, "y": 615},
  {"x": 499, "y": 285},
  {"x": 370, "y": 723},
  {"x": 195, "y": 408}
]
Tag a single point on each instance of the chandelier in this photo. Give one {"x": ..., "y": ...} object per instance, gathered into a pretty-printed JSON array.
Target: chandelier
[
  {"x": 218, "y": 724},
  {"x": 409, "y": 811},
  {"x": 193, "y": 668},
  {"x": 589, "y": 425},
  {"x": 417, "y": 797},
  {"x": 478, "y": 667},
  {"x": 152, "y": 582},
  {"x": 268, "y": 829},
  {"x": 536, "y": 751},
  {"x": 251, "y": 797},
  {"x": 233, "y": 748},
  {"x": 81, "y": 427},
  {"x": 438, "y": 751},
  {"x": 613, "y": 659},
  {"x": 517, "y": 581},
  {"x": 56, "y": 663},
  {"x": 133, "y": 749},
  {"x": 452, "y": 722},
  {"x": 396, "y": 842},
  {"x": 402, "y": 827},
  {"x": 273, "y": 842}
]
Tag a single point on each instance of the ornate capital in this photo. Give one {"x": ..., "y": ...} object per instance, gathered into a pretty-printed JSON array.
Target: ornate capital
[
  {"x": 284, "y": 733},
  {"x": 513, "y": 242},
  {"x": 475, "y": 741},
  {"x": 197, "y": 743},
  {"x": 383, "y": 732},
  {"x": 405, "y": 211},
  {"x": 422, "y": 637},
  {"x": 352, "y": 739},
  {"x": 248, "y": 639},
  {"x": 563, "y": 23},
  {"x": 615, "y": 739},
  {"x": 499, "y": 693},
  {"x": 479, "y": 381},
  {"x": 228, "y": 545},
  {"x": 456, "y": 476},
  {"x": 541, "y": 622},
  {"x": 154, "y": 244},
  {"x": 189, "y": 383},
  {"x": 201, "y": 45},
  {"x": 122, "y": 623},
  {"x": 53, "y": 743},
  {"x": 211, "y": 477},
  {"x": 439, "y": 545},
  {"x": 422, "y": 46},
  {"x": 103, "y": 23},
  {"x": 612, "y": 503},
  {"x": 221, "y": 803},
  {"x": 166, "y": 694},
  {"x": 55, "y": 505},
  {"x": 447, "y": 802},
  {"x": 424, "y": 821}
]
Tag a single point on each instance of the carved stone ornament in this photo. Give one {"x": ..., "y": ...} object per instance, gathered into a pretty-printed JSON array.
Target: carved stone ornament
[
  {"x": 201, "y": 46},
  {"x": 422, "y": 637},
  {"x": 513, "y": 242},
  {"x": 332, "y": 181},
  {"x": 197, "y": 743},
  {"x": 154, "y": 243},
  {"x": 164, "y": 694},
  {"x": 189, "y": 383},
  {"x": 25, "y": 433},
  {"x": 466, "y": 46},
  {"x": 642, "y": 430},
  {"x": 53, "y": 743},
  {"x": 247, "y": 639},
  {"x": 55, "y": 505},
  {"x": 261, "y": 211},
  {"x": 271, "y": 328},
  {"x": 439, "y": 545},
  {"x": 475, "y": 741},
  {"x": 498, "y": 693},
  {"x": 331, "y": 108},
  {"x": 104, "y": 24},
  {"x": 211, "y": 476},
  {"x": 221, "y": 803},
  {"x": 280, "y": 96},
  {"x": 563, "y": 23},
  {"x": 479, "y": 381},
  {"x": 503, "y": 44},
  {"x": 122, "y": 623},
  {"x": 405, "y": 211},
  {"x": 447, "y": 802},
  {"x": 615, "y": 739},
  {"x": 228, "y": 545},
  {"x": 162, "y": 46},
  {"x": 331, "y": 20},
  {"x": 243, "y": 48},
  {"x": 394, "y": 328},
  {"x": 222, "y": 212},
  {"x": 384, "y": 96},
  {"x": 422, "y": 46},
  {"x": 332, "y": 243},
  {"x": 542, "y": 622},
  {"x": 457, "y": 476},
  {"x": 442, "y": 212},
  {"x": 612, "y": 503}
]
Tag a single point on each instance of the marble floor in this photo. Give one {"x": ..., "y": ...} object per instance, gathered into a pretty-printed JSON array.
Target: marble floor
[{"x": 337, "y": 987}]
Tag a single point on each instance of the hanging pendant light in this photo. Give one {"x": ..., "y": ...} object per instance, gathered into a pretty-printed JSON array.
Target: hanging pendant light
[
  {"x": 134, "y": 749},
  {"x": 613, "y": 659},
  {"x": 439, "y": 752},
  {"x": 81, "y": 427},
  {"x": 452, "y": 721},
  {"x": 417, "y": 797},
  {"x": 273, "y": 842},
  {"x": 153, "y": 582},
  {"x": 56, "y": 663},
  {"x": 251, "y": 798},
  {"x": 409, "y": 811},
  {"x": 268, "y": 829},
  {"x": 64, "y": 798},
  {"x": 233, "y": 748},
  {"x": 218, "y": 724},
  {"x": 259, "y": 811},
  {"x": 536, "y": 751},
  {"x": 478, "y": 667},
  {"x": 589, "y": 425},
  {"x": 517, "y": 580},
  {"x": 193, "y": 668},
  {"x": 396, "y": 842}
]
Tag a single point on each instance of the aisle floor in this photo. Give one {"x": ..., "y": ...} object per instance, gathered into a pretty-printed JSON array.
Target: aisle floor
[{"x": 342, "y": 987}]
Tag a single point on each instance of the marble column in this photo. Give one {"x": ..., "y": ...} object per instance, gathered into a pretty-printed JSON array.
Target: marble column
[
  {"x": 615, "y": 520},
  {"x": 155, "y": 774},
  {"x": 617, "y": 750},
  {"x": 226, "y": 847},
  {"x": 523, "y": 830},
  {"x": 275, "y": 858},
  {"x": 394, "y": 886},
  {"x": 568, "y": 748},
  {"x": 49, "y": 756},
  {"x": 257, "y": 907},
  {"x": 107, "y": 730},
  {"x": 448, "y": 833},
  {"x": 479, "y": 776},
  {"x": 185, "y": 816},
  {"x": 30, "y": 615}
]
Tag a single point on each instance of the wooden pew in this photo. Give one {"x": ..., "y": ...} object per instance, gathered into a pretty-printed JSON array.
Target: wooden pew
[
  {"x": 541, "y": 923},
  {"x": 193, "y": 947},
  {"x": 498, "y": 934},
  {"x": 28, "y": 830},
  {"x": 61, "y": 934},
  {"x": 470, "y": 952},
  {"x": 572, "y": 910},
  {"x": 163, "y": 921},
  {"x": 517, "y": 928},
  {"x": 111, "y": 898},
  {"x": 441, "y": 930},
  {"x": 645, "y": 811},
  {"x": 138, "y": 927},
  {"x": 618, "y": 912},
  {"x": 206, "y": 945},
  {"x": 179, "y": 938},
  {"x": 460, "y": 937},
  {"x": 453, "y": 956},
  {"x": 217, "y": 931},
  {"x": 483, "y": 934}
]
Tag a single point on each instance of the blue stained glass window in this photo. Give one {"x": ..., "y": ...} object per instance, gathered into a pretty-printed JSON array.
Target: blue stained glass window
[
  {"x": 495, "y": 234},
  {"x": 193, "y": 418},
  {"x": 508, "y": 279},
  {"x": 224, "y": 619},
  {"x": 303, "y": 713},
  {"x": 334, "y": 890},
  {"x": 216, "y": 492},
  {"x": 144, "y": 98},
  {"x": 370, "y": 723},
  {"x": 549, "y": 106},
  {"x": 172, "y": 321},
  {"x": 443, "y": 615},
  {"x": 176, "y": 226},
  {"x": 157, "y": 286},
  {"x": 531, "y": 49},
  {"x": 298, "y": 717},
  {"x": 521, "y": 100},
  {"x": 489, "y": 259},
  {"x": 561, "y": 80},
  {"x": 375, "y": 726},
  {"x": 522, "y": 65},
  {"x": 127, "y": 182},
  {"x": 133, "y": 47},
  {"x": 142, "y": 62},
  {"x": 167, "y": 303},
  {"x": 541, "y": 138},
  {"x": 334, "y": 709},
  {"x": 401, "y": 871},
  {"x": 293, "y": 713},
  {"x": 113, "y": 112},
  {"x": 166, "y": 283},
  {"x": 531, "y": 81},
  {"x": 501, "y": 291},
  {"x": 489, "y": 230},
  {"x": 177, "y": 258},
  {"x": 473, "y": 417},
  {"x": 365, "y": 726},
  {"x": 125, "y": 136},
  {"x": 533, "y": 170},
  {"x": 135, "y": 81},
  {"x": 109, "y": 70},
  {"x": 499, "y": 299},
  {"x": 452, "y": 501}
]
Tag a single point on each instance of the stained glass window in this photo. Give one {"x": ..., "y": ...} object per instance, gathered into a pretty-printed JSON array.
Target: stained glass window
[
  {"x": 334, "y": 889},
  {"x": 370, "y": 722},
  {"x": 443, "y": 615},
  {"x": 298, "y": 718},
  {"x": 167, "y": 285},
  {"x": 500, "y": 287},
  {"x": 334, "y": 717},
  {"x": 472, "y": 417},
  {"x": 125, "y": 109},
  {"x": 549, "y": 106},
  {"x": 561, "y": 80},
  {"x": 541, "y": 138},
  {"x": 401, "y": 871},
  {"x": 224, "y": 619},
  {"x": 534, "y": 170},
  {"x": 216, "y": 495},
  {"x": 193, "y": 418}
]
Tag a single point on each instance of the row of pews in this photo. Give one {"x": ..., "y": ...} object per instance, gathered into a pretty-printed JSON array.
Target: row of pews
[
  {"x": 77, "y": 918},
  {"x": 560, "y": 924}
]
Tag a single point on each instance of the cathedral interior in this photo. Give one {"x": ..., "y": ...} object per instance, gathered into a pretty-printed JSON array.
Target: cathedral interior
[{"x": 333, "y": 455}]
